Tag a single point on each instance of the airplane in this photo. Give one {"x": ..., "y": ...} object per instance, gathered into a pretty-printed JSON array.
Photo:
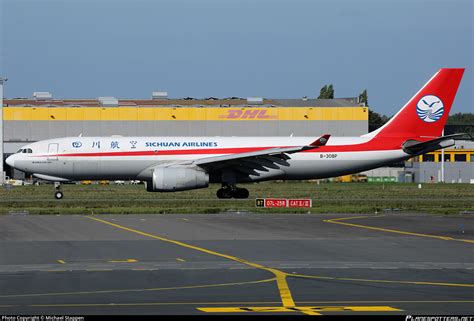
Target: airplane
[{"x": 170, "y": 164}]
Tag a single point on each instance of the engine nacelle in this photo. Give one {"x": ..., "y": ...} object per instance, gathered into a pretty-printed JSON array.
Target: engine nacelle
[{"x": 172, "y": 179}]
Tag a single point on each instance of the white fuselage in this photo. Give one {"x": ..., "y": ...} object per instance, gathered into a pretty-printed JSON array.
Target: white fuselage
[{"x": 123, "y": 158}]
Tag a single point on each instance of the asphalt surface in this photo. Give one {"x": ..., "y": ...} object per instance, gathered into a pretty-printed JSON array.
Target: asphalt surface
[{"x": 237, "y": 263}]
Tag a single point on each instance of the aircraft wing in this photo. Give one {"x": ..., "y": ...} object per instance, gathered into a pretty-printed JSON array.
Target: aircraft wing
[{"x": 248, "y": 163}]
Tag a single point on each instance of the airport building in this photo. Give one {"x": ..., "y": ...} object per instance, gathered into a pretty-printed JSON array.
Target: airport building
[
  {"x": 43, "y": 117},
  {"x": 29, "y": 120},
  {"x": 458, "y": 167}
]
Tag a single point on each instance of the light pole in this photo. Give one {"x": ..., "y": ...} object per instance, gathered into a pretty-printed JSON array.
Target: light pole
[
  {"x": 2, "y": 172},
  {"x": 442, "y": 161}
]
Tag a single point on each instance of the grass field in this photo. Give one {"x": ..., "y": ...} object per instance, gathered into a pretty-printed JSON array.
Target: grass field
[{"x": 327, "y": 198}]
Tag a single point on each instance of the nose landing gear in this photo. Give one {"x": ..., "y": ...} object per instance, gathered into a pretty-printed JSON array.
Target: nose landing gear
[
  {"x": 227, "y": 192},
  {"x": 58, "y": 194}
]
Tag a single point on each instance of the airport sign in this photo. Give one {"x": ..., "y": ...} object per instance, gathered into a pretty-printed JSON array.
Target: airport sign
[
  {"x": 299, "y": 202},
  {"x": 282, "y": 202}
]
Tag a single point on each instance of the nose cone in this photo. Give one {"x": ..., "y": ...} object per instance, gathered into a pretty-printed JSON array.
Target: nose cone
[{"x": 10, "y": 161}]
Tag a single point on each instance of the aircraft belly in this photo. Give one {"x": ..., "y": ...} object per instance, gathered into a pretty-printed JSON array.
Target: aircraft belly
[
  {"x": 47, "y": 167},
  {"x": 312, "y": 165},
  {"x": 125, "y": 168},
  {"x": 112, "y": 169}
]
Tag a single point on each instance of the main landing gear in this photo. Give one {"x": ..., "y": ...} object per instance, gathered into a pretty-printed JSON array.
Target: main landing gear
[
  {"x": 58, "y": 194},
  {"x": 232, "y": 192}
]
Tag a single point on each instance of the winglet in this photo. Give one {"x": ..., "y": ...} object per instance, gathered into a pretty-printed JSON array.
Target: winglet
[{"x": 321, "y": 141}]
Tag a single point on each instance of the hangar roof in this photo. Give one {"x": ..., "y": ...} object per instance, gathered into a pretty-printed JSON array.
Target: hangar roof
[{"x": 188, "y": 102}]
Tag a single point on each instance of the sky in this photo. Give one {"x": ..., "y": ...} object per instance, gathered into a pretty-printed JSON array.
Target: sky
[{"x": 244, "y": 48}]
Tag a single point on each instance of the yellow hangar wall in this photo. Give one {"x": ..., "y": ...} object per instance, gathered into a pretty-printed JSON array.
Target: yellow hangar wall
[
  {"x": 124, "y": 113},
  {"x": 25, "y": 124}
]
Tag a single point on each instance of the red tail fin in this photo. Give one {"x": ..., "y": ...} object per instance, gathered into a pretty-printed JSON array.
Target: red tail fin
[{"x": 425, "y": 114}]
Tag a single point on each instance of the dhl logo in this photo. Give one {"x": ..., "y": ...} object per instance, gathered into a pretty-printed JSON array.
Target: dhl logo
[{"x": 247, "y": 114}]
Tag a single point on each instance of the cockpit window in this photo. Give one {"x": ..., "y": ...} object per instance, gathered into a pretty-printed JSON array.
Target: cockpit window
[{"x": 25, "y": 151}]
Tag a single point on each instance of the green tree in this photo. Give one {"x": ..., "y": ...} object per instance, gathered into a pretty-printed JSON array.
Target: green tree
[
  {"x": 461, "y": 119},
  {"x": 327, "y": 92},
  {"x": 363, "y": 98},
  {"x": 376, "y": 120},
  {"x": 322, "y": 92},
  {"x": 330, "y": 92}
]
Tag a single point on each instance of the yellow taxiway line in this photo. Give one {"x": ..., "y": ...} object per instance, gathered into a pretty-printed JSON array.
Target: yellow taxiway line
[
  {"x": 439, "y": 237},
  {"x": 123, "y": 261},
  {"x": 386, "y": 301},
  {"x": 137, "y": 290},
  {"x": 383, "y": 281},
  {"x": 311, "y": 310},
  {"x": 285, "y": 293},
  {"x": 241, "y": 303},
  {"x": 143, "y": 304},
  {"x": 288, "y": 304}
]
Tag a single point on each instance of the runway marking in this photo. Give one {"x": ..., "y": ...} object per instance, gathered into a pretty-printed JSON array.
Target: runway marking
[
  {"x": 137, "y": 290},
  {"x": 274, "y": 309},
  {"x": 180, "y": 259},
  {"x": 388, "y": 301},
  {"x": 285, "y": 293},
  {"x": 383, "y": 281},
  {"x": 61, "y": 262},
  {"x": 439, "y": 237},
  {"x": 123, "y": 261},
  {"x": 185, "y": 219},
  {"x": 239, "y": 303},
  {"x": 311, "y": 310},
  {"x": 99, "y": 270},
  {"x": 142, "y": 304},
  {"x": 279, "y": 276},
  {"x": 56, "y": 270}
]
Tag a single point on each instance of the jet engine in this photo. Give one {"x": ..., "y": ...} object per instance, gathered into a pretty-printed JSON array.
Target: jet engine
[{"x": 171, "y": 179}]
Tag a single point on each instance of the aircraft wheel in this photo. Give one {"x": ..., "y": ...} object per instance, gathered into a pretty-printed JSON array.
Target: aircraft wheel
[
  {"x": 58, "y": 195},
  {"x": 224, "y": 193},
  {"x": 241, "y": 193}
]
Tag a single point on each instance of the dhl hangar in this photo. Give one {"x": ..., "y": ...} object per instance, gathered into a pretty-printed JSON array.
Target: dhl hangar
[{"x": 43, "y": 117}]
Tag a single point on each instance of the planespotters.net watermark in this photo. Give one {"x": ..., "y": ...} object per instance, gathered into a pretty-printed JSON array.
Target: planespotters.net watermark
[{"x": 438, "y": 318}]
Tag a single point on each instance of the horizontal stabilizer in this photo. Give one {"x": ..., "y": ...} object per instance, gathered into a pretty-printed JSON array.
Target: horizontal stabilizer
[{"x": 414, "y": 147}]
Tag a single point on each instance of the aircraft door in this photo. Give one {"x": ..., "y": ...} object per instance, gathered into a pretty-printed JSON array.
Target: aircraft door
[{"x": 53, "y": 150}]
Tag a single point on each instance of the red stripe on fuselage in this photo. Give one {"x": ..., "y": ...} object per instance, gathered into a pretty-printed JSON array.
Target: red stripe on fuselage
[
  {"x": 171, "y": 152},
  {"x": 373, "y": 145}
]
